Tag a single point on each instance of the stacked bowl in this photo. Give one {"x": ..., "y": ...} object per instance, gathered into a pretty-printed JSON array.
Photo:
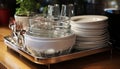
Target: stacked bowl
[{"x": 91, "y": 31}]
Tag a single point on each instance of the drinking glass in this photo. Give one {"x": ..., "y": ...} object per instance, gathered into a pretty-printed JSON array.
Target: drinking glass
[
  {"x": 17, "y": 33},
  {"x": 67, "y": 12},
  {"x": 56, "y": 12}
]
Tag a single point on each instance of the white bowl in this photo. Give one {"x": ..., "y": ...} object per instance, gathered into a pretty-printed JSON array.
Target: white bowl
[{"x": 42, "y": 46}]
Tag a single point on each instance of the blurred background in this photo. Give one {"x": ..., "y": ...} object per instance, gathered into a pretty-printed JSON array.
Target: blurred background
[{"x": 108, "y": 8}]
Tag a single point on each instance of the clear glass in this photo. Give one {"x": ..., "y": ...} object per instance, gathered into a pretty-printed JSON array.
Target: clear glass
[
  {"x": 17, "y": 33},
  {"x": 67, "y": 12},
  {"x": 55, "y": 24},
  {"x": 56, "y": 12}
]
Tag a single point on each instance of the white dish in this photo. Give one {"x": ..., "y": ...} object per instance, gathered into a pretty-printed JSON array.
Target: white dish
[
  {"x": 92, "y": 38},
  {"x": 89, "y": 32},
  {"x": 89, "y": 26},
  {"x": 38, "y": 44},
  {"x": 82, "y": 43},
  {"x": 89, "y": 46},
  {"x": 89, "y": 18},
  {"x": 89, "y": 21}
]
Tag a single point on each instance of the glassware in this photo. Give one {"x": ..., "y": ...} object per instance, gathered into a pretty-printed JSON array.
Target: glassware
[
  {"x": 56, "y": 24},
  {"x": 12, "y": 26},
  {"x": 17, "y": 33},
  {"x": 67, "y": 12},
  {"x": 70, "y": 11},
  {"x": 63, "y": 12},
  {"x": 56, "y": 12}
]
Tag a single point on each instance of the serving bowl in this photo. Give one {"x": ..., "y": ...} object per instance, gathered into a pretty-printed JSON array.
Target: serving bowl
[{"x": 49, "y": 47}]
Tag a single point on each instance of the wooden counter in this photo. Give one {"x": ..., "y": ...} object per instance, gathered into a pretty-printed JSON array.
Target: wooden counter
[{"x": 12, "y": 60}]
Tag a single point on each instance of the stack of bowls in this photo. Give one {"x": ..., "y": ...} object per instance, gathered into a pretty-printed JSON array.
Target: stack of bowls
[{"x": 91, "y": 31}]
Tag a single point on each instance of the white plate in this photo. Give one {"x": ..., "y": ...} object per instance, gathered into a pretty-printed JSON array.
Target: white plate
[
  {"x": 89, "y": 32},
  {"x": 89, "y": 18},
  {"x": 92, "y": 38},
  {"x": 90, "y": 46},
  {"x": 80, "y": 26},
  {"x": 89, "y": 21},
  {"x": 89, "y": 26},
  {"x": 83, "y": 43}
]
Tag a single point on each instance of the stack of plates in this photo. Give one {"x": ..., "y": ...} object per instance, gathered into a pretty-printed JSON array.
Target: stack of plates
[{"x": 91, "y": 31}]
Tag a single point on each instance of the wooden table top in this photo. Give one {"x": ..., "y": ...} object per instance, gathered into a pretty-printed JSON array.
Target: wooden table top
[{"x": 12, "y": 60}]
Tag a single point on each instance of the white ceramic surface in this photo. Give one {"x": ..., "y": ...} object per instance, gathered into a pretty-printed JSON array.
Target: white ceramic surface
[
  {"x": 45, "y": 44},
  {"x": 80, "y": 45},
  {"x": 83, "y": 32},
  {"x": 83, "y": 19},
  {"x": 89, "y": 21},
  {"x": 91, "y": 42},
  {"x": 92, "y": 39},
  {"x": 89, "y": 46},
  {"x": 91, "y": 31},
  {"x": 89, "y": 26}
]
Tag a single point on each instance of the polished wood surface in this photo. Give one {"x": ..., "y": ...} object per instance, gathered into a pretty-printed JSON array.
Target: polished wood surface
[{"x": 12, "y": 60}]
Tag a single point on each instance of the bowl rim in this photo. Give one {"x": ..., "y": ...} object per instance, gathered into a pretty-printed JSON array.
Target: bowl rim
[{"x": 72, "y": 34}]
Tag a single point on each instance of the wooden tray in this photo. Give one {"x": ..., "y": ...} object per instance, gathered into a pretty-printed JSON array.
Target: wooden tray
[{"x": 46, "y": 61}]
